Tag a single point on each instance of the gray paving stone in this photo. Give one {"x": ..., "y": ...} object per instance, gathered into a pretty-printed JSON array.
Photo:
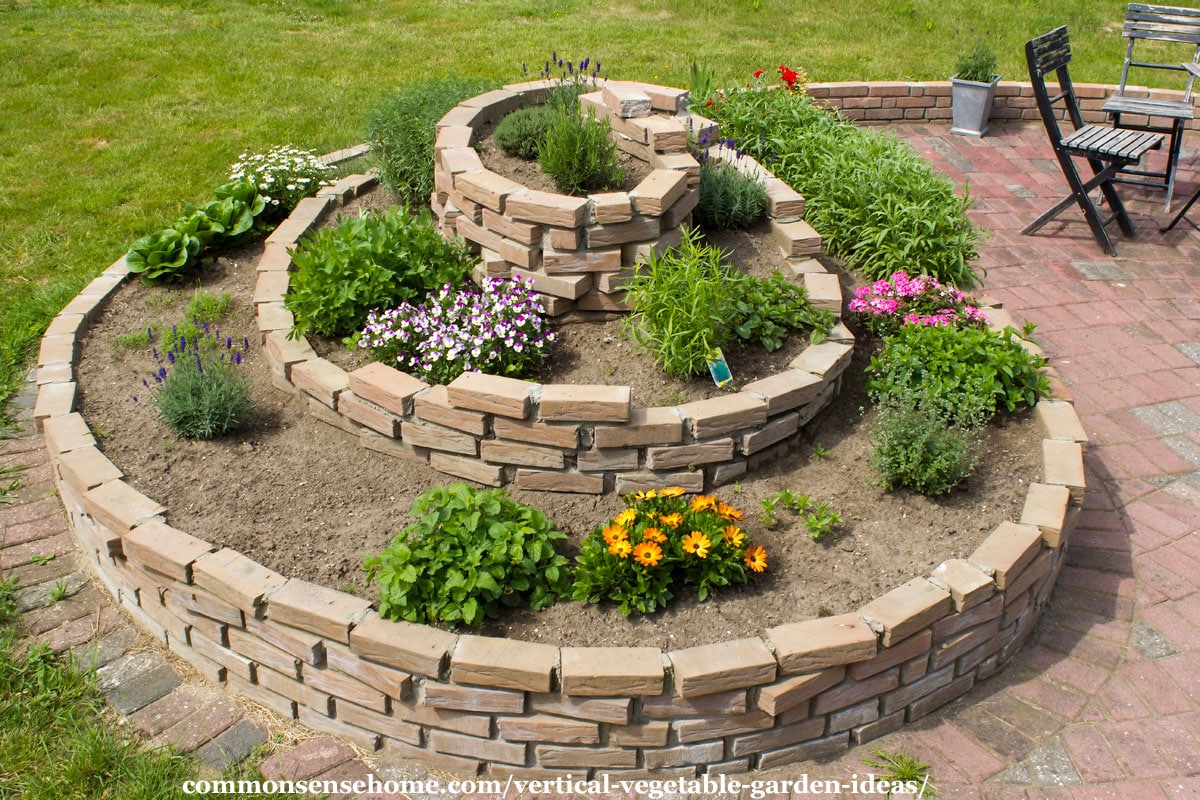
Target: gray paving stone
[
  {"x": 1101, "y": 270},
  {"x": 142, "y": 690},
  {"x": 126, "y": 668},
  {"x": 1169, "y": 418},
  {"x": 1185, "y": 448},
  {"x": 1149, "y": 642},
  {"x": 40, "y": 596},
  {"x": 1190, "y": 349},
  {"x": 92, "y": 656},
  {"x": 947, "y": 151},
  {"x": 1020, "y": 191},
  {"x": 1047, "y": 765},
  {"x": 232, "y": 745}
]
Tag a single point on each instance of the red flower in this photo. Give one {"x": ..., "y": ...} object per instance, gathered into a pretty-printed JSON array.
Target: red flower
[
  {"x": 758, "y": 73},
  {"x": 788, "y": 76},
  {"x": 708, "y": 102}
]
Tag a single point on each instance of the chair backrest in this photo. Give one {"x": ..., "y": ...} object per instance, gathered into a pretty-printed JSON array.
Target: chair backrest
[
  {"x": 1046, "y": 54},
  {"x": 1153, "y": 23}
]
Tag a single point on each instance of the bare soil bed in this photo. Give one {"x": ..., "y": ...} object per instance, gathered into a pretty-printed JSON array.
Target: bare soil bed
[{"x": 305, "y": 499}]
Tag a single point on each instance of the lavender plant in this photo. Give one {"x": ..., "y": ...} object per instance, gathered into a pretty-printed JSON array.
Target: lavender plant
[
  {"x": 198, "y": 385},
  {"x": 499, "y": 330}
]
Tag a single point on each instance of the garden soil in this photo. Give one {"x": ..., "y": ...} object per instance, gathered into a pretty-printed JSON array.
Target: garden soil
[{"x": 303, "y": 498}]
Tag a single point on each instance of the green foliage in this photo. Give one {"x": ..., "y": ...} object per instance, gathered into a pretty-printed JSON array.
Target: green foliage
[
  {"x": 702, "y": 85},
  {"x": 660, "y": 541},
  {"x": 401, "y": 132},
  {"x": 876, "y": 203},
  {"x": 907, "y": 777},
  {"x": 58, "y": 592},
  {"x": 522, "y": 132},
  {"x": 283, "y": 176},
  {"x": 163, "y": 255},
  {"x": 372, "y": 260},
  {"x": 207, "y": 307},
  {"x": 202, "y": 401},
  {"x": 578, "y": 154},
  {"x": 977, "y": 63},
  {"x": 821, "y": 519},
  {"x": 10, "y": 480},
  {"x": 8, "y": 598},
  {"x": 41, "y": 559},
  {"x": 766, "y": 310},
  {"x": 472, "y": 553},
  {"x": 818, "y": 517},
  {"x": 923, "y": 447},
  {"x": 729, "y": 200},
  {"x": 961, "y": 371}
]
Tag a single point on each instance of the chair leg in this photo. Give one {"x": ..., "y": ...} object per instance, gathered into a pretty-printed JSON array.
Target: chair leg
[
  {"x": 1103, "y": 179},
  {"x": 1173, "y": 161},
  {"x": 1080, "y": 196},
  {"x": 1182, "y": 212}
]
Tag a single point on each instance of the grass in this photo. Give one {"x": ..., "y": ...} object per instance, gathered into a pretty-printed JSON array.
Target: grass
[{"x": 118, "y": 112}]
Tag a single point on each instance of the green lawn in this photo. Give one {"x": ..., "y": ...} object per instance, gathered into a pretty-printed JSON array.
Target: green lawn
[{"x": 113, "y": 114}]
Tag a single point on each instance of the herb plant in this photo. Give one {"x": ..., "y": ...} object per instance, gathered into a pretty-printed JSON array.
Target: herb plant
[
  {"x": 283, "y": 176},
  {"x": 729, "y": 200},
  {"x": 922, "y": 446},
  {"x": 522, "y": 132},
  {"x": 976, "y": 63},
  {"x": 885, "y": 305},
  {"x": 578, "y": 153},
  {"x": 472, "y": 553},
  {"x": 765, "y": 310},
  {"x": 372, "y": 260},
  {"x": 200, "y": 390},
  {"x": 402, "y": 130},
  {"x": 499, "y": 329},
  {"x": 660, "y": 541}
]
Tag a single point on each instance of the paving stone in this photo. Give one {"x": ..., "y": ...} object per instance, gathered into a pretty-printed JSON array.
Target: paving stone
[
  {"x": 126, "y": 668},
  {"x": 203, "y": 725},
  {"x": 310, "y": 758},
  {"x": 94, "y": 655},
  {"x": 1048, "y": 765},
  {"x": 1168, "y": 418},
  {"x": 1149, "y": 642},
  {"x": 232, "y": 745},
  {"x": 141, "y": 690},
  {"x": 1101, "y": 270},
  {"x": 39, "y": 596},
  {"x": 168, "y": 710}
]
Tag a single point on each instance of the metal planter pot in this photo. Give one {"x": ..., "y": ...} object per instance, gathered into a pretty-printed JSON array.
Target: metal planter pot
[{"x": 971, "y": 104}]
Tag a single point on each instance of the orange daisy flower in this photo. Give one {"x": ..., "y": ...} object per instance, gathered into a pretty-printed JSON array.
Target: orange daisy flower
[
  {"x": 756, "y": 558},
  {"x": 648, "y": 554},
  {"x": 647, "y": 495},
  {"x": 671, "y": 520},
  {"x": 654, "y": 535},
  {"x": 621, "y": 548},
  {"x": 672, "y": 491},
  {"x": 729, "y": 513},
  {"x": 703, "y": 503},
  {"x": 733, "y": 535},
  {"x": 697, "y": 544},
  {"x": 626, "y": 517},
  {"x": 614, "y": 533}
]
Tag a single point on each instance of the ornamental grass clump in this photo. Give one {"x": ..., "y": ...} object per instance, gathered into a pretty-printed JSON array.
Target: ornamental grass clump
[
  {"x": 199, "y": 388},
  {"x": 729, "y": 200},
  {"x": 660, "y": 541},
  {"x": 499, "y": 329},
  {"x": 884, "y": 306}
]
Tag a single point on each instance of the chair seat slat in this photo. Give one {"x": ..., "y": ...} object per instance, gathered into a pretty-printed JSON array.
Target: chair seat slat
[{"x": 1173, "y": 109}]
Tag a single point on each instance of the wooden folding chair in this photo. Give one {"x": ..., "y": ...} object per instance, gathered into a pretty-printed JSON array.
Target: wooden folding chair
[
  {"x": 1107, "y": 150},
  {"x": 1158, "y": 24}
]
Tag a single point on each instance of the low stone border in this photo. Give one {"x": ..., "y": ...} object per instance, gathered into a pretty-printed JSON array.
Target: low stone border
[{"x": 804, "y": 690}]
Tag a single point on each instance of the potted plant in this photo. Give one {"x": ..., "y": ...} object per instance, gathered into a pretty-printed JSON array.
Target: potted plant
[{"x": 973, "y": 87}]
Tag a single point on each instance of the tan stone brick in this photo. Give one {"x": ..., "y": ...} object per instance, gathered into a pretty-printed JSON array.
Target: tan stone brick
[
  {"x": 948, "y": 626},
  {"x": 782, "y": 736},
  {"x": 639, "y": 252},
  {"x": 721, "y": 415},
  {"x": 521, "y": 454},
  {"x": 494, "y": 394},
  {"x": 545, "y": 728},
  {"x": 523, "y": 232},
  {"x": 606, "y": 671},
  {"x": 1039, "y": 568},
  {"x": 646, "y": 426},
  {"x": 824, "y": 642},
  {"x": 824, "y": 291},
  {"x": 54, "y": 400},
  {"x": 562, "y": 239},
  {"x": 119, "y": 506},
  {"x": 803, "y": 265},
  {"x": 582, "y": 403},
  {"x": 620, "y": 233},
  {"x": 200, "y": 602},
  {"x": 569, "y": 286},
  {"x": 467, "y": 468},
  {"x": 404, "y": 645},
  {"x": 65, "y": 324},
  {"x": 608, "y": 208},
  {"x": 496, "y": 103},
  {"x": 544, "y": 207},
  {"x": 273, "y": 317},
  {"x": 271, "y": 287},
  {"x": 467, "y": 228},
  {"x": 613, "y": 710},
  {"x": 550, "y": 755},
  {"x": 165, "y": 549},
  {"x": 625, "y": 99},
  {"x": 689, "y": 455},
  {"x": 434, "y": 406},
  {"x": 486, "y": 749},
  {"x": 57, "y": 349},
  {"x": 546, "y": 481},
  {"x": 670, "y": 707},
  {"x": 519, "y": 255},
  {"x": 86, "y": 468},
  {"x": 786, "y": 390},
  {"x": 387, "y": 387},
  {"x": 264, "y": 655},
  {"x": 437, "y": 438},
  {"x": 783, "y": 202},
  {"x": 368, "y": 414},
  {"x": 392, "y": 682},
  {"x": 648, "y": 734},
  {"x": 644, "y": 480},
  {"x": 968, "y": 585},
  {"x": 392, "y": 447},
  {"x": 703, "y": 129},
  {"x": 714, "y": 668},
  {"x": 796, "y": 238},
  {"x": 283, "y": 353},
  {"x": 292, "y": 688},
  {"x": 55, "y": 373},
  {"x": 698, "y": 730},
  {"x": 827, "y": 359},
  {"x": 604, "y": 460},
  {"x": 1007, "y": 550},
  {"x": 558, "y": 262},
  {"x": 233, "y": 577},
  {"x": 661, "y": 134},
  {"x": 789, "y": 693},
  {"x": 948, "y": 651},
  {"x": 343, "y": 687},
  {"x": 674, "y": 216},
  {"x": 553, "y": 435},
  {"x": 319, "y": 411},
  {"x": 596, "y": 300},
  {"x": 613, "y": 282},
  {"x": 304, "y": 217},
  {"x": 907, "y": 609},
  {"x": 372, "y": 721},
  {"x": 472, "y": 698},
  {"x": 851, "y": 692},
  {"x": 503, "y": 663},
  {"x": 316, "y": 609},
  {"x": 1063, "y": 465},
  {"x": 659, "y": 191},
  {"x": 775, "y": 431},
  {"x": 457, "y": 160},
  {"x": 916, "y": 645},
  {"x": 453, "y": 136},
  {"x": 899, "y": 698},
  {"x": 1060, "y": 421}
]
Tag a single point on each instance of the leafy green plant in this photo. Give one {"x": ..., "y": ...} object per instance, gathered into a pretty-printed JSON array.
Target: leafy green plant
[
  {"x": 372, "y": 260},
  {"x": 41, "y": 559},
  {"x": 729, "y": 200},
  {"x": 401, "y": 131},
  {"x": 766, "y": 310},
  {"x": 522, "y": 132},
  {"x": 906, "y": 776},
  {"x": 702, "y": 85},
  {"x": 208, "y": 307},
  {"x": 958, "y": 370},
  {"x": 163, "y": 255},
  {"x": 923, "y": 447},
  {"x": 767, "y": 517},
  {"x": 8, "y": 598},
  {"x": 820, "y": 452},
  {"x": 472, "y": 553},
  {"x": 10, "y": 480},
  {"x": 58, "y": 592},
  {"x": 821, "y": 519},
  {"x": 818, "y": 517},
  {"x": 662, "y": 540},
  {"x": 578, "y": 153},
  {"x": 976, "y": 63}
]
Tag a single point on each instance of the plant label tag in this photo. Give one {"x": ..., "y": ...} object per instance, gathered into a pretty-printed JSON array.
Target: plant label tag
[{"x": 719, "y": 369}]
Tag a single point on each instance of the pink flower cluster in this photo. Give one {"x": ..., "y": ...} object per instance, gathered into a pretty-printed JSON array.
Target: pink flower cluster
[{"x": 886, "y": 305}]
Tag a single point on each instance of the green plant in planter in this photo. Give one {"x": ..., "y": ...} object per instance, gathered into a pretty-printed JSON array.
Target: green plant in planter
[
  {"x": 472, "y": 553},
  {"x": 977, "y": 63},
  {"x": 578, "y": 154},
  {"x": 729, "y": 200},
  {"x": 522, "y": 132}
]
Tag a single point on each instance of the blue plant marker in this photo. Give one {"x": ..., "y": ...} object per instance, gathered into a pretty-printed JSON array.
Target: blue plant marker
[{"x": 719, "y": 368}]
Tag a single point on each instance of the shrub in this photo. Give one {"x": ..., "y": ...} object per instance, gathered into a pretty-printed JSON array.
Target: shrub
[
  {"x": 978, "y": 63},
  {"x": 522, "y": 132},
  {"x": 766, "y": 310},
  {"x": 500, "y": 330},
  {"x": 401, "y": 131},
  {"x": 729, "y": 200},
  {"x": 578, "y": 154},
  {"x": 662, "y": 540},
  {"x": 284, "y": 175},
  {"x": 920, "y": 445},
  {"x": 472, "y": 553},
  {"x": 885, "y": 305},
  {"x": 201, "y": 392},
  {"x": 958, "y": 370},
  {"x": 372, "y": 260},
  {"x": 876, "y": 203}
]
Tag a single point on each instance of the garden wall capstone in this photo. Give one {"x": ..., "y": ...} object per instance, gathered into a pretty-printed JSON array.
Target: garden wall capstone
[{"x": 473, "y": 704}]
